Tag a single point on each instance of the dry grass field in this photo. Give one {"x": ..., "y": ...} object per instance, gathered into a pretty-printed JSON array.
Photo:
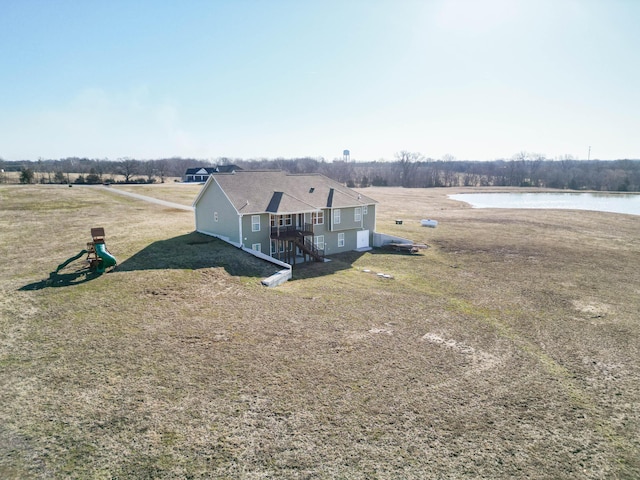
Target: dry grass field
[
  {"x": 508, "y": 349},
  {"x": 184, "y": 193}
]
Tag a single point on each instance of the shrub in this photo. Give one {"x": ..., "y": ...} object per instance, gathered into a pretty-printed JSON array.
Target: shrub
[
  {"x": 26, "y": 175},
  {"x": 93, "y": 178},
  {"x": 59, "y": 177}
]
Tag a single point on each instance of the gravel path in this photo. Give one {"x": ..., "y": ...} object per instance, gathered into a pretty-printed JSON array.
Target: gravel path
[{"x": 150, "y": 199}]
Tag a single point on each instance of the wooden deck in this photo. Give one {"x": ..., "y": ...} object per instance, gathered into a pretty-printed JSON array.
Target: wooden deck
[{"x": 291, "y": 232}]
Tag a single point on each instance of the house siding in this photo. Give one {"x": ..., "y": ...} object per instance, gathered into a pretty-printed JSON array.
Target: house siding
[
  {"x": 369, "y": 221},
  {"x": 214, "y": 200},
  {"x": 331, "y": 241},
  {"x": 262, "y": 237},
  {"x": 350, "y": 240},
  {"x": 347, "y": 221},
  {"x": 348, "y": 226}
]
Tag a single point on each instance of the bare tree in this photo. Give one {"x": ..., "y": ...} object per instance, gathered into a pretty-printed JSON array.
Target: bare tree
[
  {"x": 149, "y": 170},
  {"x": 161, "y": 167},
  {"x": 127, "y": 167},
  {"x": 408, "y": 163}
]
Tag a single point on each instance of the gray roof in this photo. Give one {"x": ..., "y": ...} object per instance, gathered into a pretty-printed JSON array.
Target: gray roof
[
  {"x": 273, "y": 191},
  {"x": 210, "y": 170},
  {"x": 195, "y": 170}
]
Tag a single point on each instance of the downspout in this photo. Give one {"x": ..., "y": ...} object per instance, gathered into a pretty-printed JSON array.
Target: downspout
[
  {"x": 375, "y": 219},
  {"x": 195, "y": 214},
  {"x": 241, "y": 239}
]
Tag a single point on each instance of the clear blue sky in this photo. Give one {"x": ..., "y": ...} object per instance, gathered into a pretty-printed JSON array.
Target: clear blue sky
[{"x": 476, "y": 79}]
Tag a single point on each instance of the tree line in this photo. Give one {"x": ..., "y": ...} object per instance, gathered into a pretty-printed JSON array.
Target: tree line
[{"x": 408, "y": 169}]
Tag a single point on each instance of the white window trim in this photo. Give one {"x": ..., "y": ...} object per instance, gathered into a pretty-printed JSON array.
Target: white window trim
[
  {"x": 341, "y": 239},
  {"x": 318, "y": 241},
  {"x": 257, "y": 247},
  {"x": 255, "y": 226},
  {"x": 273, "y": 248},
  {"x": 357, "y": 214},
  {"x": 336, "y": 216},
  {"x": 316, "y": 217},
  {"x": 281, "y": 220}
]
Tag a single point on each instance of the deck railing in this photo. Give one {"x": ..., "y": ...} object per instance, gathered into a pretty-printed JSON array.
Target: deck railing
[
  {"x": 313, "y": 248},
  {"x": 291, "y": 231}
]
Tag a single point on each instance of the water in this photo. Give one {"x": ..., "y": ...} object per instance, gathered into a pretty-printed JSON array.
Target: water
[{"x": 600, "y": 202}]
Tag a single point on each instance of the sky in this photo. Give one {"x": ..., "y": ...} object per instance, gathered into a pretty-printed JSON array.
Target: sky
[{"x": 472, "y": 79}]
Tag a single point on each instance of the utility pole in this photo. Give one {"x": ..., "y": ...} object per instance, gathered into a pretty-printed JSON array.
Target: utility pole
[{"x": 589, "y": 154}]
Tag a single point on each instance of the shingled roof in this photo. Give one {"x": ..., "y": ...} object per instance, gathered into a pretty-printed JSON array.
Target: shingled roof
[
  {"x": 211, "y": 170},
  {"x": 202, "y": 170},
  {"x": 273, "y": 191}
]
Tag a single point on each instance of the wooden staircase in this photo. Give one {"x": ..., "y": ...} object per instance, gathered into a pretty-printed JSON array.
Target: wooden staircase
[
  {"x": 298, "y": 236},
  {"x": 306, "y": 245}
]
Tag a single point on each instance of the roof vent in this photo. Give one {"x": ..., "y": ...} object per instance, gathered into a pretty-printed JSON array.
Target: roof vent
[{"x": 311, "y": 190}]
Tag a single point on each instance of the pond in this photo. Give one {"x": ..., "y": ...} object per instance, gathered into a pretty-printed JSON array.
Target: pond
[{"x": 600, "y": 202}]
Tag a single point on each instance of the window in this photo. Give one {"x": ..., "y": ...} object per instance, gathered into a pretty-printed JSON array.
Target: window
[
  {"x": 317, "y": 218},
  {"x": 319, "y": 242},
  {"x": 341, "y": 240},
  {"x": 357, "y": 214},
  {"x": 275, "y": 249},
  {"x": 257, "y": 247},
  {"x": 365, "y": 209},
  {"x": 336, "y": 216},
  {"x": 255, "y": 223},
  {"x": 281, "y": 220},
  {"x": 215, "y": 216}
]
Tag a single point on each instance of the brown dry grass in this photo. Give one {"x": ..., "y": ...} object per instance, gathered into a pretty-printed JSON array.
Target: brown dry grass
[
  {"x": 184, "y": 193},
  {"x": 508, "y": 349}
]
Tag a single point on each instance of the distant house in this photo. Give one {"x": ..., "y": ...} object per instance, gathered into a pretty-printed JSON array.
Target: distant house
[
  {"x": 201, "y": 174},
  {"x": 198, "y": 174},
  {"x": 285, "y": 216}
]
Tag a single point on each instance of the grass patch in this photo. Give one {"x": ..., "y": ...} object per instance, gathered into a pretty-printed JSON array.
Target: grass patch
[
  {"x": 507, "y": 349},
  {"x": 182, "y": 193}
]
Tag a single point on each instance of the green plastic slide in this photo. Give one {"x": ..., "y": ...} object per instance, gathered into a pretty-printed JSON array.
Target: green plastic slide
[
  {"x": 68, "y": 261},
  {"x": 108, "y": 260}
]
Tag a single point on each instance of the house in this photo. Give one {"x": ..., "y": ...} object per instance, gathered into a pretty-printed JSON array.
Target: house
[
  {"x": 201, "y": 174},
  {"x": 285, "y": 216},
  {"x": 198, "y": 174}
]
